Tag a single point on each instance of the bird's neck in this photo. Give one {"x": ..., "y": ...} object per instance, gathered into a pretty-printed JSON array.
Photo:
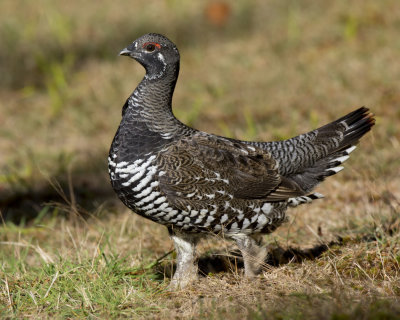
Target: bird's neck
[{"x": 150, "y": 105}]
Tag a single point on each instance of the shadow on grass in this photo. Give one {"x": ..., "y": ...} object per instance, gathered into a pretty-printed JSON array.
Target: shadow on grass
[
  {"x": 81, "y": 192},
  {"x": 277, "y": 256},
  {"x": 233, "y": 261}
]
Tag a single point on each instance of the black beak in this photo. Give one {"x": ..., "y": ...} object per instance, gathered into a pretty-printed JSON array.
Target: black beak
[{"x": 125, "y": 52}]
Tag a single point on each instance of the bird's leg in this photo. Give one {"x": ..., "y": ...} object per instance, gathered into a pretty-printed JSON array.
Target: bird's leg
[
  {"x": 254, "y": 254},
  {"x": 186, "y": 265}
]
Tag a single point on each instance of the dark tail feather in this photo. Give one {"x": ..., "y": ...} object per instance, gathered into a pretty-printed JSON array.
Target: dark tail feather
[
  {"x": 339, "y": 139},
  {"x": 353, "y": 126}
]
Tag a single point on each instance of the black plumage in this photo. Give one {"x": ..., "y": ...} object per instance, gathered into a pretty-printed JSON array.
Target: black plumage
[{"x": 195, "y": 183}]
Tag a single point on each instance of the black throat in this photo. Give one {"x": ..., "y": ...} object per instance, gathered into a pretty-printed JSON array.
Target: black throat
[{"x": 148, "y": 123}]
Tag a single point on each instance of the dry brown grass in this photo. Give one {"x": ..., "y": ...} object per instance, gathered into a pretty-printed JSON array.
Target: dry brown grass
[{"x": 273, "y": 70}]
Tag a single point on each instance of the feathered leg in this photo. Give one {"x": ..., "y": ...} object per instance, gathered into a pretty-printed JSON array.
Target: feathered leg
[
  {"x": 253, "y": 253},
  {"x": 186, "y": 264}
]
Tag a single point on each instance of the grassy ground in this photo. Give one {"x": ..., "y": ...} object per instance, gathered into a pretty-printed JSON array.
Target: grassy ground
[{"x": 271, "y": 70}]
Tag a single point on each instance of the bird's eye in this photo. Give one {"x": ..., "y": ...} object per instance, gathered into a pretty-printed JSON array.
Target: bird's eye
[{"x": 150, "y": 47}]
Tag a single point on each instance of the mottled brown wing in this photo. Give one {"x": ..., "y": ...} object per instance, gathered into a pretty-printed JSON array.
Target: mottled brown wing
[{"x": 205, "y": 166}]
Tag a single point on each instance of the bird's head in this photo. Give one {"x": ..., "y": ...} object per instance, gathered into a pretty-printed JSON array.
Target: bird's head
[{"x": 155, "y": 53}]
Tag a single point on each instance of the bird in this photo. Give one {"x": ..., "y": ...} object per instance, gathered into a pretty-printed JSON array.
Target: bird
[{"x": 198, "y": 184}]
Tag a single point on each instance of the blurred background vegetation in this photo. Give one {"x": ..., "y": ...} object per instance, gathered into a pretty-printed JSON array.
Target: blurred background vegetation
[{"x": 250, "y": 69}]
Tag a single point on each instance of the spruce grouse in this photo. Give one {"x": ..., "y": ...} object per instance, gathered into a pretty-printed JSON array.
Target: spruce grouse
[{"x": 197, "y": 183}]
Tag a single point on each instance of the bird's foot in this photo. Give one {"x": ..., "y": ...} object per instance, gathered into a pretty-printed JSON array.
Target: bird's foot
[
  {"x": 186, "y": 264},
  {"x": 183, "y": 277},
  {"x": 254, "y": 254}
]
